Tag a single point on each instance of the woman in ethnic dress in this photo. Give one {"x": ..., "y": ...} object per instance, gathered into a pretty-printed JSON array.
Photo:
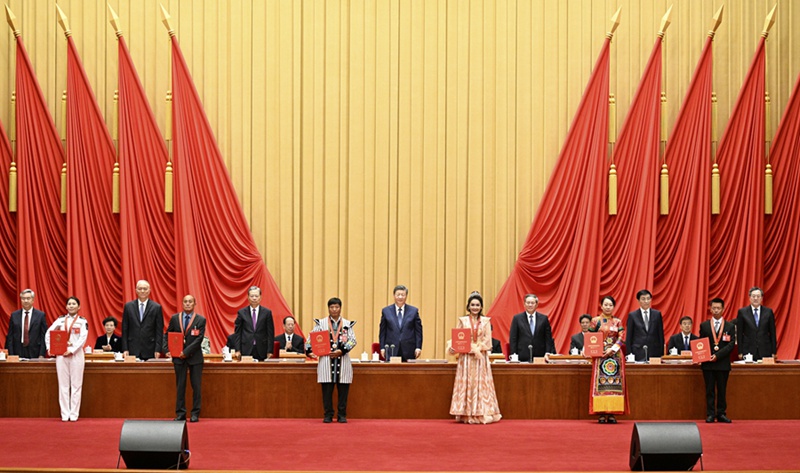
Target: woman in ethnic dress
[
  {"x": 607, "y": 396},
  {"x": 474, "y": 400}
]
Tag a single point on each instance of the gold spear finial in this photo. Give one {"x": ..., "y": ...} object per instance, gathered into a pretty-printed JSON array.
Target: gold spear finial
[
  {"x": 165, "y": 20},
  {"x": 716, "y": 20},
  {"x": 769, "y": 21},
  {"x": 62, "y": 20},
  {"x": 11, "y": 19},
  {"x": 114, "y": 19},
  {"x": 614, "y": 24},
  {"x": 665, "y": 22}
]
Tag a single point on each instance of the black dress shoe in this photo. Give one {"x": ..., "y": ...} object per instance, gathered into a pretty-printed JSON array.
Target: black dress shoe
[
  {"x": 327, "y": 420},
  {"x": 194, "y": 419},
  {"x": 341, "y": 420},
  {"x": 612, "y": 420},
  {"x": 601, "y": 420},
  {"x": 180, "y": 418},
  {"x": 724, "y": 418},
  {"x": 710, "y": 419}
]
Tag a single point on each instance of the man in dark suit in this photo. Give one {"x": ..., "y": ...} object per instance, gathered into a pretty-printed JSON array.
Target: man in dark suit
[
  {"x": 295, "y": 344},
  {"x": 576, "y": 342},
  {"x": 645, "y": 329},
  {"x": 755, "y": 328},
  {"x": 530, "y": 332},
  {"x": 142, "y": 325},
  {"x": 254, "y": 329},
  {"x": 716, "y": 371},
  {"x": 681, "y": 340},
  {"x": 26, "y": 329},
  {"x": 193, "y": 328},
  {"x": 400, "y": 326}
]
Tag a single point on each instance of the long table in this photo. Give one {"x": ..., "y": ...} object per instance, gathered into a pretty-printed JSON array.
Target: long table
[{"x": 392, "y": 391}]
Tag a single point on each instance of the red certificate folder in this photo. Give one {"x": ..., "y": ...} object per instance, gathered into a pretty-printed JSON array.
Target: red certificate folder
[
  {"x": 462, "y": 340},
  {"x": 175, "y": 344},
  {"x": 593, "y": 344},
  {"x": 701, "y": 350},
  {"x": 58, "y": 342},
  {"x": 320, "y": 343}
]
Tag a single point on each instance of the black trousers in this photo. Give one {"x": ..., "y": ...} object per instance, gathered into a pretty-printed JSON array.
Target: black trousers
[
  {"x": 327, "y": 398},
  {"x": 716, "y": 379},
  {"x": 196, "y": 377}
]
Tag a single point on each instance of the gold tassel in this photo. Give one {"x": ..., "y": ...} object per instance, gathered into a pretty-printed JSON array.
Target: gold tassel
[
  {"x": 115, "y": 191},
  {"x": 715, "y": 189},
  {"x": 64, "y": 188},
  {"x": 612, "y": 190},
  {"x": 168, "y": 188},
  {"x": 664, "y": 207},
  {"x": 768, "y": 190},
  {"x": 12, "y": 187}
]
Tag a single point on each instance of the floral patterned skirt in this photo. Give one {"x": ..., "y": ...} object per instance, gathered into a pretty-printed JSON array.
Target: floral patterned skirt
[{"x": 474, "y": 400}]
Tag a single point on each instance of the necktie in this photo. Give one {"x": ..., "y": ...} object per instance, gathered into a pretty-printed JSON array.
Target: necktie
[
  {"x": 186, "y": 319},
  {"x": 755, "y": 315},
  {"x": 716, "y": 326},
  {"x": 26, "y": 327},
  {"x": 532, "y": 323},
  {"x": 685, "y": 342},
  {"x": 255, "y": 318},
  {"x": 646, "y": 316},
  {"x": 141, "y": 311},
  {"x": 400, "y": 316}
]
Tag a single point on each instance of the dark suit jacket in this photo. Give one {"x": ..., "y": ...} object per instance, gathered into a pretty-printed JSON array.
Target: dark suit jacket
[
  {"x": 116, "y": 343},
  {"x": 407, "y": 338},
  {"x": 496, "y": 346},
  {"x": 676, "y": 341},
  {"x": 298, "y": 343},
  {"x": 637, "y": 336},
  {"x": 142, "y": 339},
  {"x": 37, "y": 327},
  {"x": 723, "y": 361},
  {"x": 192, "y": 339},
  {"x": 520, "y": 336},
  {"x": 576, "y": 341},
  {"x": 759, "y": 341},
  {"x": 264, "y": 334}
]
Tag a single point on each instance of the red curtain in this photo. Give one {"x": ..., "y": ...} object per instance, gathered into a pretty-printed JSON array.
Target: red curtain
[
  {"x": 41, "y": 228},
  {"x": 681, "y": 267},
  {"x": 217, "y": 259},
  {"x": 8, "y": 242},
  {"x": 93, "y": 249},
  {"x": 781, "y": 255},
  {"x": 629, "y": 244},
  {"x": 737, "y": 233},
  {"x": 148, "y": 233},
  {"x": 560, "y": 261}
]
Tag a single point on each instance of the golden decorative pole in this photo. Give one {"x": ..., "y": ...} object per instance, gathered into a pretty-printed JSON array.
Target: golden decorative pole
[
  {"x": 663, "y": 207},
  {"x": 768, "y": 22},
  {"x": 62, "y": 20},
  {"x": 715, "y": 176},
  {"x": 168, "y": 190},
  {"x": 612, "y": 130},
  {"x": 114, "y": 19},
  {"x": 12, "y": 170}
]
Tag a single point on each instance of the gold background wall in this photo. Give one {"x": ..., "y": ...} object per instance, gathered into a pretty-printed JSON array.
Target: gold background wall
[{"x": 378, "y": 142}]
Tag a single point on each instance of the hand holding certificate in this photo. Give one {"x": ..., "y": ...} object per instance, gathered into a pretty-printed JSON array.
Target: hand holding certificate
[
  {"x": 593, "y": 344},
  {"x": 175, "y": 344},
  {"x": 320, "y": 343},
  {"x": 462, "y": 340},
  {"x": 58, "y": 342},
  {"x": 701, "y": 350}
]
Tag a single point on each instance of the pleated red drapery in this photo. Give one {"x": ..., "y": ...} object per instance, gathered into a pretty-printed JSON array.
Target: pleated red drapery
[
  {"x": 782, "y": 232},
  {"x": 682, "y": 237},
  {"x": 93, "y": 248},
  {"x": 41, "y": 228},
  {"x": 217, "y": 259},
  {"x": 8, "y": 241},
  {"x": 629, "y": 237},
  {"x": 148, "y": 232},
  {"x": 737, "y": 233},
  {"x": 560, "y": 261}
]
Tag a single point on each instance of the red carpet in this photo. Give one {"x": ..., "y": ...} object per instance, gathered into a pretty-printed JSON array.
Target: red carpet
[{"x": 396, "y": 445}]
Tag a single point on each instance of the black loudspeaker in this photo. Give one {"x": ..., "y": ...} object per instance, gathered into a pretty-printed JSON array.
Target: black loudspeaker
[
  {"x": 154, "y": 444},
  {"x": 665, "y": 446}
]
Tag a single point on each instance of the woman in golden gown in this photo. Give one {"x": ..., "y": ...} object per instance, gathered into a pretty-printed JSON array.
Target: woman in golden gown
[
  {"x": 607, "y": 396},
  {"x": 474, "y": 400}
]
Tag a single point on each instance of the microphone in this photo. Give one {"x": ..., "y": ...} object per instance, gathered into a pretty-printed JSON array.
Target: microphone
[
  {"x": 386, "y": 352},
  {"x": 392, "y": 346},
  {"x": 645, "y": 354},
  {"x": 530, "y": 351}
]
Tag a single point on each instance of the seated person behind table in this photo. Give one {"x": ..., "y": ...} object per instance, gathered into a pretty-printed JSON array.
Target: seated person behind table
[
  {"x": 205, "y": 346},
  {"x": 109, "y": 341},
  {"x": 576, "y": 342},
  {"x": 290, "y": 341},
  {"x": 231, "y": 343},
  {"x": 680, "y": 341}
]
